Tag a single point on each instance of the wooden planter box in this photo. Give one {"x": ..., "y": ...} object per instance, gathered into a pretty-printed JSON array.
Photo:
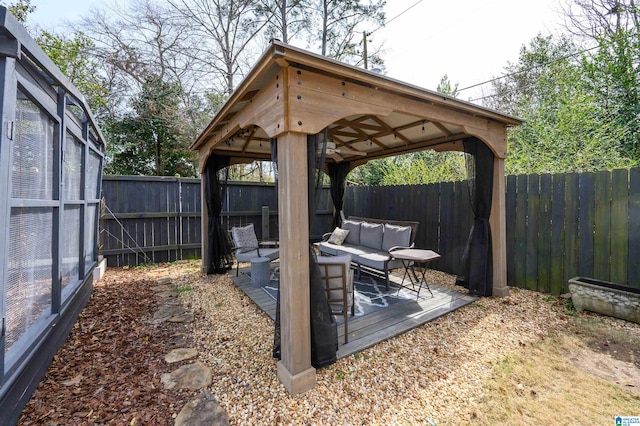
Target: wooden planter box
[{"x": 605, "y": 298}]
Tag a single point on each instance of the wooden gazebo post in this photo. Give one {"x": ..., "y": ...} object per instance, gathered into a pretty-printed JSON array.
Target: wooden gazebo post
[
  {"x": 294, "y": 369},
  {"x": 497, "y": 221}
]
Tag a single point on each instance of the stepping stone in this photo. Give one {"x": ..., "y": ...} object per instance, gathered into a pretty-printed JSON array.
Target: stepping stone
[
  {"x": 203, "y": 410},
  {"x": 178, "y": 340},
  {"x": 180, "y": 354},
  {"x": 183, "y": 317},
  {"x": 160, "y": 288},
  {"x": 167, "y": 294},
  {"x": 192, "y": 376},
  {"x": 167, "y": 311},
  {"x": 165, "y": 281}
]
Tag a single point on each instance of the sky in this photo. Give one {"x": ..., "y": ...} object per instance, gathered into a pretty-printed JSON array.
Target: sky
[{"x": 469, "y": 40}]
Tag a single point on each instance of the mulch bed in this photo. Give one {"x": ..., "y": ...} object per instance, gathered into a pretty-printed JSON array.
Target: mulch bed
[{"x": 108, "y": 371}]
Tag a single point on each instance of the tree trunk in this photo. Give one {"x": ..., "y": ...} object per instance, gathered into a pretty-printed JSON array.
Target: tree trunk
[
  {"x": 325, "y": 17},
  {"x": 283, "y": 13}
]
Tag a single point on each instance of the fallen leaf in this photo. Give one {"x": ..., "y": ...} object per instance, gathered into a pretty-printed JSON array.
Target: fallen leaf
[{"x": 73, "y": 382}]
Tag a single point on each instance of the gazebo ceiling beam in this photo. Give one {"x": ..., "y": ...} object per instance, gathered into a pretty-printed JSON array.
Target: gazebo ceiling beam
[
  {"x": 364, "y": 136},
  {"x": 395, "y": 131},
  {"x": 449, "y": 141},
  {"x": 248, "y": 139},
  {"x": 442, "y": 128},
  {"x": 358, "y": 123}
]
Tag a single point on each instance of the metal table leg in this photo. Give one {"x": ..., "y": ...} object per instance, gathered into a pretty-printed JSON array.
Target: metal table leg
[{"x": 409, "y": 270}]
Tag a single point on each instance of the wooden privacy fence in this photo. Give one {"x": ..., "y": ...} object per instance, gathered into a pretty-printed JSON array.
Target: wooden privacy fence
[
  {"x": 149, "y": 219},
  {"x": 158, "y": 219},
  {"x": 442, "y": 209},
  {"x": 558, "y": 226},
  {"x": 564, "y": 225}
]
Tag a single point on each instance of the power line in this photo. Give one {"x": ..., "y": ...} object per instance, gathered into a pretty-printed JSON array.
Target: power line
[
  {"x": 528, "y": 69},
  {"x": 395, "y": 17}
]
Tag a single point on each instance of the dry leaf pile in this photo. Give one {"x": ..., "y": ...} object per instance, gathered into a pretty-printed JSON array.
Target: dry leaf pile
[{"x": 108, "y": 371}]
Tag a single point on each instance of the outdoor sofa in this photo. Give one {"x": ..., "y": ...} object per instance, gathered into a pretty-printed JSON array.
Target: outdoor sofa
[{"x": 369, "y": 242}]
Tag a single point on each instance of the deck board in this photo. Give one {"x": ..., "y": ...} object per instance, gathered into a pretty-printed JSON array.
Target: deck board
[{"x": 368, "y": 330}]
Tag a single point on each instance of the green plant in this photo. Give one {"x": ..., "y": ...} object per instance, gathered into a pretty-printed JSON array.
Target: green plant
[
  {"x": 184, "y": 289},
  {"x": 570, "y": 310}
]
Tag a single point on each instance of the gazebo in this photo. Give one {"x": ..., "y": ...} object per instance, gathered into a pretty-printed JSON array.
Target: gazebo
[{"x": 291, "y": 94}]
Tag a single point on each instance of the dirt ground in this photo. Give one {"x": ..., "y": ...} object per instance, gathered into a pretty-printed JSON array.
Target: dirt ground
[
  {"x": 108, "y": 371},
  {"x": 611, "y": 353}
]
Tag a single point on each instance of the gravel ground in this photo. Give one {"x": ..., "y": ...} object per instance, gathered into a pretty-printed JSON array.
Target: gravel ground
[{"x": 430, "y": 374}]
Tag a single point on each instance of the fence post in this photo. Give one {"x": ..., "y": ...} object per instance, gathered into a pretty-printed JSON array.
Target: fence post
[{"x": 265, "y": 223}]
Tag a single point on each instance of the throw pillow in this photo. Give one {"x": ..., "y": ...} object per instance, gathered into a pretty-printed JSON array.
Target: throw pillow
[
  {"x": 338, "y": 236},
  {"x": 245, "y": 238}
]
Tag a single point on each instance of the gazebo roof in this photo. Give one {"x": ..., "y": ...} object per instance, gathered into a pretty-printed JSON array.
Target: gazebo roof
[{"x": 368, "y": 115}]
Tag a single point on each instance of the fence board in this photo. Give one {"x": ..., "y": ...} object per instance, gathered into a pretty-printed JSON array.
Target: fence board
[
  {"x": 556, "y": 262},
  {"x": 544, "y": 234},
  {"x": 619, "y": 226},
  {"x": 429, "y": 227},
  {"x": 519, "y": 255},
  {"x": 634, "y": 228},
  {"x": 445, "y": 245},
  {"x": 533, "y": 218},
  {"x": 586, "y": 213},
  {"x": 510, "y": 208},
  {"x": 460, "y": 199},
  {"x": 602, "y": 228},
  {"x": 571, "y": 228}
]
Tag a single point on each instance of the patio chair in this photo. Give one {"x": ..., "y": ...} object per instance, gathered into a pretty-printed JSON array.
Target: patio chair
[
  {"x": 337, "y": 277},
  {"x": 246, "y": 247}
]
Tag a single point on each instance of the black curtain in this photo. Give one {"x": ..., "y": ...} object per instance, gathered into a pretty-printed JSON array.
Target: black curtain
[
  {"x": 477, "y": 260},
  {"x": 324, "y": 329},
  {"x": 277, "y": 353},
  {"x": 338, "y": 174},
  {"x": 215, "y": 186}
]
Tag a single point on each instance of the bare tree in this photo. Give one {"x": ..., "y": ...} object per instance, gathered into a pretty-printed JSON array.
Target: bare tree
[
  {"x": 140, "y": 40},
  {"x": 224, "y": 30},
  {"x": 342, "y": 25},
  {"x": 286, "y": 18},
  {"x": 598, "y": 18}
]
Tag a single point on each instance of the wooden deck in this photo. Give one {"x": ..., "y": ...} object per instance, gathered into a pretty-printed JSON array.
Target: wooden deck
[{"x": 368, "y": 330}]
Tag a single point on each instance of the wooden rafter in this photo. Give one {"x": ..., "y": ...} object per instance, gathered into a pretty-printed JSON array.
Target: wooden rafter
[
  {"x": 248, "y": 139},
  {"x": 442, "y": 128},
  {"x": 393, "y": 131}
]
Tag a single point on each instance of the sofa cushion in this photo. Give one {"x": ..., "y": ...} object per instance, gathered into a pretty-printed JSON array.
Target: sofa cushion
[
  {"x": 374, "y": 259},
  {"x": 354, "y": 232},
  {"x": 354, "y": 251},
  {"x": 246, "y": 256},
  {"x": 338, "y": 236},
  {"x": 328, "y": 248},
  {"x": 395, "y": 235},
  {"x": 371, "y": 235},
  {"x": 244, "y": 238}
]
